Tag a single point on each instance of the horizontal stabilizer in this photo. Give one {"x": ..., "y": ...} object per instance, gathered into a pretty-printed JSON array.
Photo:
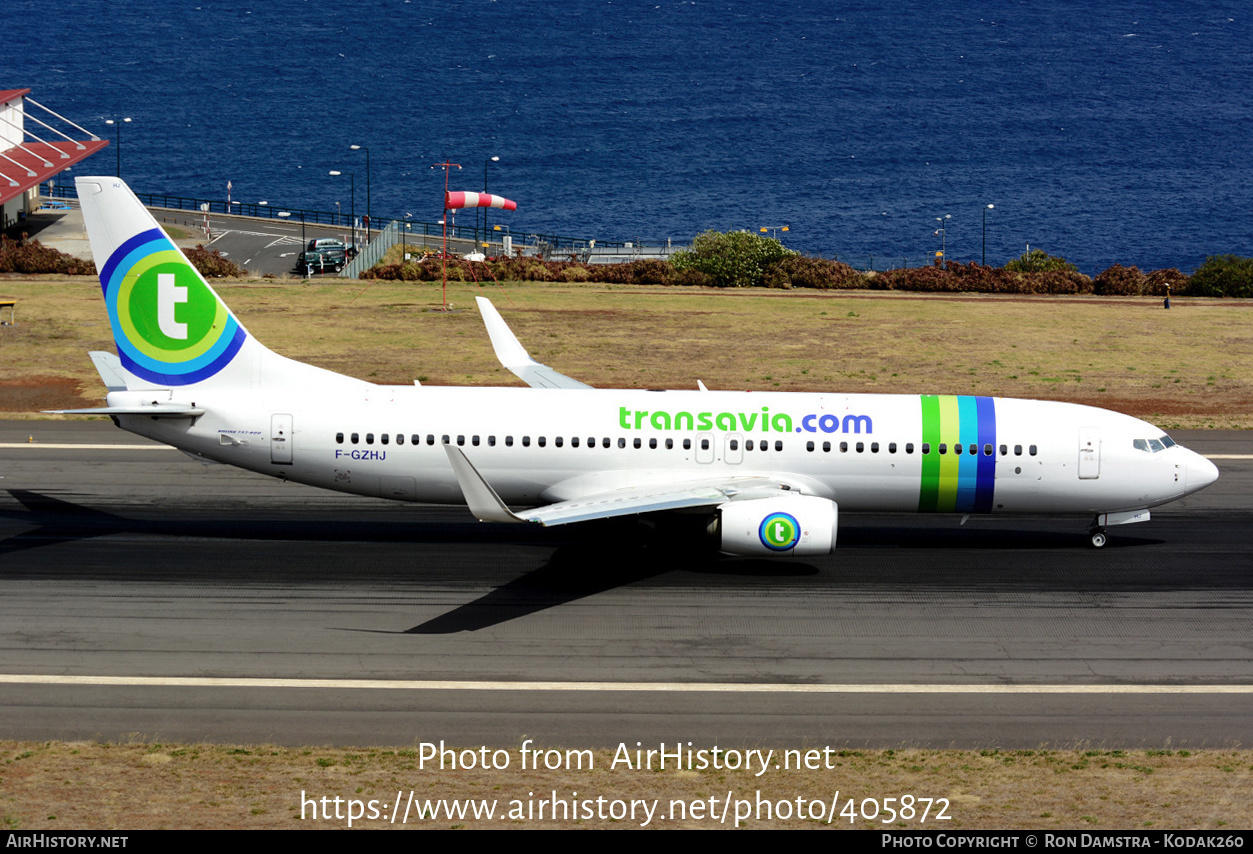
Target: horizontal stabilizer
[
  {"x": 162, "y": 410},
  {"x": 514, "y": 356}
]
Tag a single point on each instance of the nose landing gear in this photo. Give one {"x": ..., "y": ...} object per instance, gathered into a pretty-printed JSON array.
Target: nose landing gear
[{"x": 1096, "y": 531}]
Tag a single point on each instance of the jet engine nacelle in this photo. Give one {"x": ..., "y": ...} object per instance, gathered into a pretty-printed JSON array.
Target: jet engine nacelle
[{"x": 795, "y": 525}]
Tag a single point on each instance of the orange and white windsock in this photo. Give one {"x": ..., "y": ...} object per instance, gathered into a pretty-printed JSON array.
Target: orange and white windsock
[{"x": 453, "y": 201}]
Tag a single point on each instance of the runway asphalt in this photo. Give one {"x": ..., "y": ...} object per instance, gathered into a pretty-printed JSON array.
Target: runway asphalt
[{"x": 325, "y": 619}]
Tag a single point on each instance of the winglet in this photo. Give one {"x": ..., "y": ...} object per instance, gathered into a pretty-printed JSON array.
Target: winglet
[
  {"x": 514, "y": 356},
  {"x": 484, "y": 503}
]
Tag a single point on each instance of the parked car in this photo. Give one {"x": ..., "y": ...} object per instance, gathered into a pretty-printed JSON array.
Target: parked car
[{"x": 325, "y": 253}]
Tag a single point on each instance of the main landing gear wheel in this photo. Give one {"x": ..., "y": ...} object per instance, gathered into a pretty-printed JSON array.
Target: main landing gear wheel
[{"x": 1099, "y": 538}]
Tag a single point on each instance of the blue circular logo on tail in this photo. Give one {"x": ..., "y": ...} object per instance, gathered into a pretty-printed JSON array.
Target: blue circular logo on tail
[{"x": 170, "y": 327}]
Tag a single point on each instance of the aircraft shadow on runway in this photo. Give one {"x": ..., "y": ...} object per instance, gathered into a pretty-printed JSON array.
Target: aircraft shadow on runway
[{"x": 586, "y": 560}]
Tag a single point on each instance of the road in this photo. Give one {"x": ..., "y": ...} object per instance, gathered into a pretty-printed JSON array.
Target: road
[{"x": 142, "y": 566}]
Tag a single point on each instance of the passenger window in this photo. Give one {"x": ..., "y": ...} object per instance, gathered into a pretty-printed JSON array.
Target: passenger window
[
  {"x": 974, "y": 449},
  {"x": 874, "y": 447},
  {"x": 400, "y": 438},
  {"x": 508, "y": 441},
  {"x": 339, "y": 438},
  {"x": 557, "y": 441},
  {"x": 1004, "y": 450},
  {"x": 704, "y": 444},
  {"x": 926, "y": 448},
  {"x": 541, "y": 441},
  {"x": 826, "y": 447},
  {"x": 621, "y": 443},
  {"x": 891, "y": 447},
  {"x": 605, "y": 442},
  {"x": 748, "y": 445},
  {"x": 987, "y": 450},
  {"x": 957, "y": 449},
  {"x": 474, "y": 440},
  {"x": 669, "y": 444},
  {"x": 415, "y": 439},
  {"x": 844, "y": 447},
  {"x": 1031, "y": 450},
  {"x": 687, "y": 444},
  {"x": 369, "y": 438},
  {"x": 574, "y": 441},
  {"x": 778, "y": 445},
  {"x": 652, "y": 443},
  {"x": 384, "y": 438},
  {"x": 445, "y": 439},
  {"x": 526, "y": 441},
  {"x": 809, "y": 446},
  {"x": 861, "y": 447},
  {"x": 1017, "y": 450},
  {"x": 944, "y": 447},
  {"x": 735, "y": 445},
  {"x": 491, "y": 441},
  {"x": 909, "y": 447},
  {"x": 461, "y": 440}
]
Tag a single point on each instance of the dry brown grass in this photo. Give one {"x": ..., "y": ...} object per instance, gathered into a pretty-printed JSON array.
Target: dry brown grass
[
  {"x": 1188, "y": 367},
  {"x": 61, "y": 786}
]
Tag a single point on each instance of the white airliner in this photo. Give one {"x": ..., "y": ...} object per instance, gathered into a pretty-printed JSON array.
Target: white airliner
[{"x": 767, "y": 470}]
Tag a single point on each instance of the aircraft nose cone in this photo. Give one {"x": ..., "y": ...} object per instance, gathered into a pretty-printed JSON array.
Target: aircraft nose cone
[{"x": 1201, "y": 473}]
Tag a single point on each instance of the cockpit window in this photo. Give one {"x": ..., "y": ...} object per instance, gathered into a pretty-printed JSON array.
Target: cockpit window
[{"x": 1152, "y": 446}]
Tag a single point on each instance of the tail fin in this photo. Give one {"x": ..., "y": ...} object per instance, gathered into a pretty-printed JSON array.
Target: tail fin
[{"x": 170, "y": 327}]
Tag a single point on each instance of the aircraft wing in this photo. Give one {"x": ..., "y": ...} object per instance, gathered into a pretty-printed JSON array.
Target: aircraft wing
[
  {"x": 487, "y": 506},
  {"x": 514, "y": 356}
]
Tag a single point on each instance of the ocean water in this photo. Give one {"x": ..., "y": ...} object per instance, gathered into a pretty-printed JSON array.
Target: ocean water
[{"x": 1119, "y": 132}]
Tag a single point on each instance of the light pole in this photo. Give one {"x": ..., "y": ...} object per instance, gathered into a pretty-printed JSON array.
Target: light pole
[
  {"x": 117, "y": 125},
  {"x": 985, "y": 234},
  {"x": 942, "y": 231},
  {"x": 352, "y": 210},
  {"x": 773, "y": 230},
  {"x": 492, "y": 159},
  {"x": 368, "y": 221}
]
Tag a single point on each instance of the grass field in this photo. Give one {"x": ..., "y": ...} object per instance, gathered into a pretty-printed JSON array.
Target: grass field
[
  {"x": 62, "y": 786},
  {"x": 1188, "y": 367}
]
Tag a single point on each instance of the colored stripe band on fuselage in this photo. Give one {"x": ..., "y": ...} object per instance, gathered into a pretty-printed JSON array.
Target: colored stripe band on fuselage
[{"x": 958, "y": 482}]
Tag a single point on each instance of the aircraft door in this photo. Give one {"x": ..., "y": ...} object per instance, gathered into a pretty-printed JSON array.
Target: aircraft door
[
  {"x": 281, "y": 440},
  {"x": 704, "y": 448},
  {"x": 1089, "y": 453},
  {"x": 733, "y": 448}
]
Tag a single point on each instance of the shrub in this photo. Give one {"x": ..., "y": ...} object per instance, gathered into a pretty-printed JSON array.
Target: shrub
[
  {"x": 1120, "y": 281},
  {"x": 1039, "y": 261},
  {"x": 734, "y": 259},
  {"x": 692, "y": 279},
  {"x": 651, "y": 271},
  {"x": 212, "y": 265},
  {"x": 31, "y": 256},
  {"x": 1158, "y": 280},
  {"x": 802, "y": 271},
  {"x": 1223, "y": 276}
]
